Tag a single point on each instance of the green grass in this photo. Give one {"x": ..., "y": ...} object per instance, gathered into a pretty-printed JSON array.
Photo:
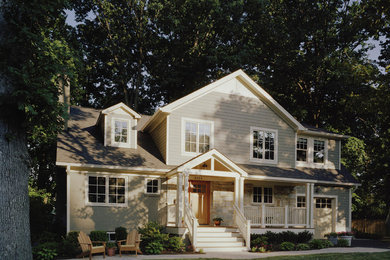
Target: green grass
[{"x": 338, "y": 256}]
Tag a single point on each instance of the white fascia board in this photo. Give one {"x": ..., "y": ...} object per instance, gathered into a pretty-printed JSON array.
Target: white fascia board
[
  {"x": 260, "y": 91},
  {"x": 323, "y": 134},
  {"x": 279, "y": 179},
  {"x": 112, "y": 167},
  {"x": 154, "y": 120},
  {"x": 206, "y": 156},
  {"x": 121, "y": 105}
]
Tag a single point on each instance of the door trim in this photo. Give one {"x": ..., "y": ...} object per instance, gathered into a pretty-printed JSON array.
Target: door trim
[{"x": 207, "y": 204}]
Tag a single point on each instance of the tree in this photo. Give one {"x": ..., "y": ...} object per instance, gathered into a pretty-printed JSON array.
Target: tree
[{"x": 34, "y": 56}]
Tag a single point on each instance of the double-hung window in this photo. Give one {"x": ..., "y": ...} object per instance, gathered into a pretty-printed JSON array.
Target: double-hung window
[
  {"x": 262, "y": 195},
  {"x": 263, "y": 145},
  {"x": 120, "y": 132},
  {"x": 302, "y": 149},
  {"x": 105, "y": 190},
  {"x": 319, "y": 151},
  {"x": 197, "y": 136}
]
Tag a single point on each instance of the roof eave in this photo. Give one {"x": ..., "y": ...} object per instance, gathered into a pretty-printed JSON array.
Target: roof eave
[{"x": 323, "y": 134}]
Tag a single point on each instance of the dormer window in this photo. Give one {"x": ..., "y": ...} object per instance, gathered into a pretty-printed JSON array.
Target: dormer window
[{"x": 121, "y": 131}]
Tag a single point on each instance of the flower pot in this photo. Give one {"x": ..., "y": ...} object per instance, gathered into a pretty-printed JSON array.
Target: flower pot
[
  {"x": 111, "y": 251},
  {"x": 217, "y": 223},
  {"x": 333, "y": 240},
  {"x": 348, "y": 238}
]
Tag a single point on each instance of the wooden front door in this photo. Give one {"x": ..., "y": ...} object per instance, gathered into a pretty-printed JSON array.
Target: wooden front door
[{"x": 199, "y": 197}]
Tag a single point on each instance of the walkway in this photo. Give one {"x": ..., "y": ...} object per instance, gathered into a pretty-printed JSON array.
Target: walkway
[{"x": 359, "y": 246}]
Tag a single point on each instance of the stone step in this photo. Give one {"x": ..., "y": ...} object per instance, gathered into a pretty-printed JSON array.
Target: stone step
[
  {"x": 219, "y": 235},
  {"x": 216, "y": 229},
  {"x": 219, "y": 244},
  {"x": 224, "y": 249},
  {"x": 224, "y": 239}
]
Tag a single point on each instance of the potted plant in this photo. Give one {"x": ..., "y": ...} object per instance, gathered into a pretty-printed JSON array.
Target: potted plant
[
  {"x": 346, "y": 235},
  {"x": 111, "y": 247},
  {"x": 332, "y": 237},
  {"x": 217, "y": 221}
]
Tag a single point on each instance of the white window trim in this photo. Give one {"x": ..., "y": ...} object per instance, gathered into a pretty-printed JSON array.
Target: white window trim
[
  {"x": 262, "y": 195},
  {"x": 252, "y": 159},
  {"x": 310, "y": 152},
  {"x": 301, "y": 195},
  {"x": 120, "y": 144},
  {"x": 183, "y": 135},
  {"x": 307, "y": 149},
  {"x": 108, "y": 235},
  {"x": 106, "y": 204},
  {"x": 158, "y": 187}
]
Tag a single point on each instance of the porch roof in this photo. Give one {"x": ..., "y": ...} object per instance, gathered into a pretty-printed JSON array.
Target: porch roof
[{"x": 342, "y": 177}]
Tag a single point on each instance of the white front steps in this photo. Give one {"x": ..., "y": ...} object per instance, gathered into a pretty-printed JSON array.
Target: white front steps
[{"x": 220, "y": 239}]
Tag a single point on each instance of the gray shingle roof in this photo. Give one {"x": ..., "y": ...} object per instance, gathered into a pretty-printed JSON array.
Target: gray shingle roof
[
  {"x": 83, "y": 143},
  {"x": 327, "y": 175}
]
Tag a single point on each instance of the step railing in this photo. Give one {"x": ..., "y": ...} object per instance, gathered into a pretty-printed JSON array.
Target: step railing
[
  {"x": 243, "y": 224},
  {"x": 192, "y": 224},
  {"x": 276, "y": 216}
]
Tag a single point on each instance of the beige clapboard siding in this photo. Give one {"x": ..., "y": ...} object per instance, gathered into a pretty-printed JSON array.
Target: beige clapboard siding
[
  {"x": 159, "y": 135},
  {"x": 233, "y": 115},
  {"x": 343, "y": 208},
  {"x": 334, "y": 152},
  {"x": 141, "y": 207}
]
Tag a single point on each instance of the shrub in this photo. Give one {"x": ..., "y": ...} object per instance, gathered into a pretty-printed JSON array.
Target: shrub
[
  {"x": 120, "y": 233},
  {"x": 46, "y": 251},
  {"x": 152, "y": 238},
  {"x": 302, "y": 246},
  {"x": 327, "y": 243},
  {"x": 316, "y": 244},
  {"x": 45, "y": 254},
  {"x": 262, "y": 249},
  {"x": 98, "y": 236},
  {"x": 70, "y": 245},
  {"x": 174, "y": 244},
  {"x": 254, "y": 249},
  {"x": 259, "y": 242},
  {"x": 154, "y": 248},
  {"x": 287, "y": 246},
  {"x": 304, "y": 237},
  {"x": 342, "y": 243}
]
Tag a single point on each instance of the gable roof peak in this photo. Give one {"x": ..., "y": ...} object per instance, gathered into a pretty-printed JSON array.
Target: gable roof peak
[
  {"x": 249, "y": 83},
  {"x": 124, "y": 107}
]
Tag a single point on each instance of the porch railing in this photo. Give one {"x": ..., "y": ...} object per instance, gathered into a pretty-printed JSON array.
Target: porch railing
[
  {"x": 192, "y": 224},
  {"x": 276, "y": 216},
  {"x": 243, "y": 224}
]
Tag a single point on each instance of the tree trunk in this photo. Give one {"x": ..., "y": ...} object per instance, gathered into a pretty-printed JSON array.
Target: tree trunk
[{"x": 15, "y": 240}]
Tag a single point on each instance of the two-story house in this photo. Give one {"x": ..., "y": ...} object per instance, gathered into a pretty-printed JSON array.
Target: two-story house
[{"x": 227, "y": 150}]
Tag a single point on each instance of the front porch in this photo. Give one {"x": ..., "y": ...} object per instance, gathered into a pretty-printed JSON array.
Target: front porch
[{"x": 211, "y": 186}]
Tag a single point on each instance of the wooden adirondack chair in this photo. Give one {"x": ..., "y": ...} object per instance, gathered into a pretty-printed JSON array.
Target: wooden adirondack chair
[
  {"x": 132, "y": 243},
  {"x": 87, "y": 247}
]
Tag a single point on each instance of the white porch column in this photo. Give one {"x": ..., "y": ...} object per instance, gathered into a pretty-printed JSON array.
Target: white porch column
[
  {"x": 179, "y": 200},
  {"x": 241, "y": 194},
  {"x": 312, "y": 205},
  {"x": 186, "y": 200},
  {"x": 262, "y": 215},
  {"x": 308, "y": 205},
  {"x": 236, "y": 191}
]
